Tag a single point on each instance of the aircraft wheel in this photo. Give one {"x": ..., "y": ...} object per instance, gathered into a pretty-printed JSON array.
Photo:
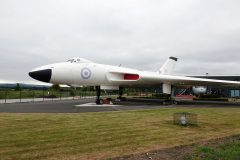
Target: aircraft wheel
[{"x": 99, "y": 101}]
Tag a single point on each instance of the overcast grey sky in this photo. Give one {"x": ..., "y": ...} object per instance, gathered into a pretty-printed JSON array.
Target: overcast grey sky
[{"x": 203, "y": 34}]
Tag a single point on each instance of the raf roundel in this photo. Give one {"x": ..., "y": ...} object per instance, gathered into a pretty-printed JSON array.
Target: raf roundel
[{"x": 86, "y": 73}]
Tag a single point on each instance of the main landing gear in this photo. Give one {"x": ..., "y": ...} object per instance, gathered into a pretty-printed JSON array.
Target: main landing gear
[
  {"x": 120, "y": 93},
  {"x": 98, "y": 100},
  {"x": 170, "y": 100}
]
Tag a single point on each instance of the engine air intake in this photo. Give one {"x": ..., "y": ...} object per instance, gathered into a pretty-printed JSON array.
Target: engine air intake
[{"x": 131, "y": 76}]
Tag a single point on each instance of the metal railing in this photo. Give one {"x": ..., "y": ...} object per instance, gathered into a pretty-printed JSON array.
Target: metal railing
[
  {"x": 12, "y": 96},
  {"x": 27, "y": 95}
]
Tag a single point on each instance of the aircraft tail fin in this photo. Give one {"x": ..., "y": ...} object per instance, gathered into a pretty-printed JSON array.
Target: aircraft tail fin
[{"x": 168, "y": 66}]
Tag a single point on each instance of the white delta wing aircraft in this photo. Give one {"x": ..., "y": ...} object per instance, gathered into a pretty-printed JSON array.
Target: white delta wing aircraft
[{"x": 82, "y": 72}]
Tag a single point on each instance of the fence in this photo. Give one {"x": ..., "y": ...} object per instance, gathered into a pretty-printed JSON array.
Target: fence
[
  {"x": 34, "y": 95},
  {"x": 12, "y": 96}
]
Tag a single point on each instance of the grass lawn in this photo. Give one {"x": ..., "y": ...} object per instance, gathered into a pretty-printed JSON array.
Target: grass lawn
[
  {"x": 229, "y": 149},
  {"x": 108, "y": 134}
]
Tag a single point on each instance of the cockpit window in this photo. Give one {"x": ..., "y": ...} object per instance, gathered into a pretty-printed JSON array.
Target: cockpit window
[
  {"x": 74, "y": 60},
  {"x": 78, "y": 60}
]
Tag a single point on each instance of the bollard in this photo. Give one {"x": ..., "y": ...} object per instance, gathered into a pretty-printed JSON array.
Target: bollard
[
  {"x": 20, "y": 95},
  {"x": 43, "y": 94},
  {"x": 52, "y": 94},
  {"x": 33, "y": 95},
  {"x": 5, "y": 97}
]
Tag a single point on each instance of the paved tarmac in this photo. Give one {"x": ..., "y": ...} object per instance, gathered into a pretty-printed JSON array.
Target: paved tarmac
[
  {"x": 68, "y": 106},
  {"x": 77, "y": 106}
]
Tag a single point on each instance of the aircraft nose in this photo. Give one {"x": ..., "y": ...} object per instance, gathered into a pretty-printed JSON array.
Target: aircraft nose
[{"x": 41, "y": 75}]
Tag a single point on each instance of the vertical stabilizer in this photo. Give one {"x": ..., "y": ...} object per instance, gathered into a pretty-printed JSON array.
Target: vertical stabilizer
[{"x": 168, "y": 66}]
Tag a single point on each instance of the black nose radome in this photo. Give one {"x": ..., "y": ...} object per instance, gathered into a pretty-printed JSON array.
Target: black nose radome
[{"x": 42, "y": 75}]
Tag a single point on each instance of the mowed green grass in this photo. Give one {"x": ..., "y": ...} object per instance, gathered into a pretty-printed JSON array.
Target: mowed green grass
[
  {"x": 108, "y": 134},
  {"x": 226, "y": 150}
]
